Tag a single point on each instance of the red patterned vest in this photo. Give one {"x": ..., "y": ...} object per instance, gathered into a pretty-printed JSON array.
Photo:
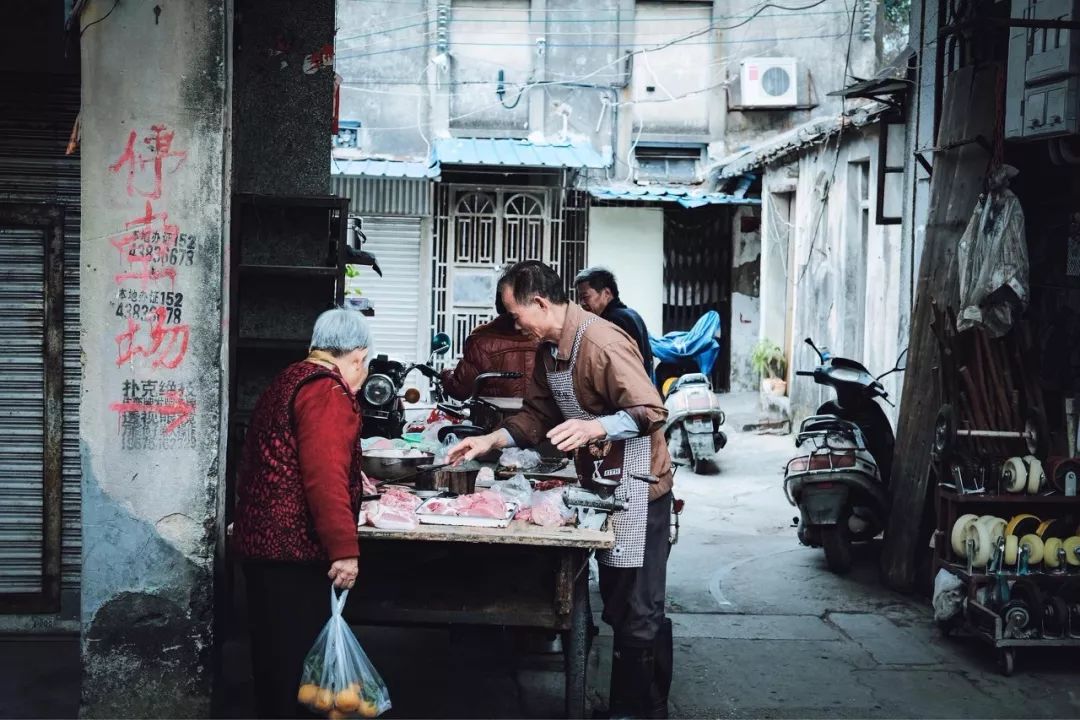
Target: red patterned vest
[{"x": 273, "y": 521}]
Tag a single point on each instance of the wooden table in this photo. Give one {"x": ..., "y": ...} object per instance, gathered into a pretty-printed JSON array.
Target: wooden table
[{"x": 520, "y": 576}]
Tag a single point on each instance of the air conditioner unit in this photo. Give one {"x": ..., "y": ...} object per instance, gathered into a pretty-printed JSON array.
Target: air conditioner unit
[{"x": 769, "y": 82}]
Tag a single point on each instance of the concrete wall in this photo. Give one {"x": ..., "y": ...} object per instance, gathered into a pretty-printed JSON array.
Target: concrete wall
[
  {"x": 816, "y": 37},
  {"x": 745, "y": 296},
  {"x": 283, "y": 96},
  {"x": 844, "y": 275},
  {"x": 630, "y": 243},
  {"x": 155, "y": 199}
]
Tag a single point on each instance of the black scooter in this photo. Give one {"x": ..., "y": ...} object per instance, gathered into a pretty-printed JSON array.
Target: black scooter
[
  {"x": 840, "y": 479},
  {"x": 382, "y": 399}
]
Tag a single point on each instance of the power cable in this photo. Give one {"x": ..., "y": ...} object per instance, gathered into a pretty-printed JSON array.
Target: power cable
[{"x": 100, "y": 19}]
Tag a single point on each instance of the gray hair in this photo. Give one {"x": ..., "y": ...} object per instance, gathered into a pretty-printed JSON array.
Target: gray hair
[{"x": 340, "y": 331}]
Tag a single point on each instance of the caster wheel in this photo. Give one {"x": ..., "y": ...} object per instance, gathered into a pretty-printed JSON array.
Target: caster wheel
[{"x": 1007, "y": 662}]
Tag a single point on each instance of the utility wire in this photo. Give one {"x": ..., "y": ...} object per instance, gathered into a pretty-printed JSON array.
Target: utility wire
[{"x": 100, "y": 19}]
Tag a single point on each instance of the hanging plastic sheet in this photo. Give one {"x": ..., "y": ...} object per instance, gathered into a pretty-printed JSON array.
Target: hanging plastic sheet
[
  {"x": 699, "y": 343},
  {"x": 993, "y": 260}
]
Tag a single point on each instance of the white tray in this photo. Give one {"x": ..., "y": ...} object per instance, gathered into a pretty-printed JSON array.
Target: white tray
[{"x": 429, "y": 518}]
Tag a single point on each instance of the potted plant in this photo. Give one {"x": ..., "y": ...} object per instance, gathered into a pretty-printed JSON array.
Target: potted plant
[{"x": 769, "y": 362}]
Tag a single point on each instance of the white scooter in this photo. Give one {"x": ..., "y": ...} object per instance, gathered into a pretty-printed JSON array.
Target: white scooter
[{"x": 693, "y": 424}]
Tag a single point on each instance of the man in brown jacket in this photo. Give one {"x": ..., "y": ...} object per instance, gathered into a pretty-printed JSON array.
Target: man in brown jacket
[
  {"x": 496, "y": 346},
  {"x": 589, "y": 394}
]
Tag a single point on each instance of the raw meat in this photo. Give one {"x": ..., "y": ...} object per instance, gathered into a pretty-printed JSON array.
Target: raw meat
[
  {"x": 524, "y": 515},
  {"x": 542, "y": 485},
  {"x": 440, "y": 507},
  {"x": 549, "y": 510},
  {"x": 487, "y": 504},
  {"x": 390, "y": 517},
  {"x": 398, "y": 498}
]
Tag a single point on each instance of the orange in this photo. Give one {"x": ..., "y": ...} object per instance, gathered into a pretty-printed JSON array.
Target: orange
[
  {"x": 307, "y": 693},
  {"x": 324, "y": 700},
  {"x": 368, "y": 708},
  {"x": 347, "y": 700}
]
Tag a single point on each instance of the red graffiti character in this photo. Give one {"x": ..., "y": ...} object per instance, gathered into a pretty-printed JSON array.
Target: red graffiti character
[
  {"x": 174, "y": 404},
  {"x": 146, "y": 244},
  {"x": 168, "y": 344},
  {"x": 158, "y": 150}
]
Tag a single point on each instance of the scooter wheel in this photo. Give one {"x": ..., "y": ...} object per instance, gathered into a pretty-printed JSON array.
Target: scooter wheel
[
  {"x": 944, "y": 434},
  {"x": 837, "y": 544}
]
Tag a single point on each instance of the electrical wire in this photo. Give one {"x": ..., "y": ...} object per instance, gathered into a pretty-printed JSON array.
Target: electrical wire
[
  {"x": 100, "y": 19},
  {"x": 661, "y": 46}
]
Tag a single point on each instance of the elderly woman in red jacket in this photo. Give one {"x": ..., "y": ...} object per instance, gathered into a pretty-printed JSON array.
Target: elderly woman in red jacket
[{"x": 298, "y": 497}]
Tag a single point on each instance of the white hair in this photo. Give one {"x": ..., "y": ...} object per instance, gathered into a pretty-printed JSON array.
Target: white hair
[{"x": 340, "y": 331}]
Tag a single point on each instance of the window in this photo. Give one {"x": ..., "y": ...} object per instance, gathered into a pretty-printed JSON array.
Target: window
[{"x": 669, "y": 164}]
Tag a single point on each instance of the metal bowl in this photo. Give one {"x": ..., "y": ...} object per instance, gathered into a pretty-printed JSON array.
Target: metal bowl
[{"x": 382, "y": 465}]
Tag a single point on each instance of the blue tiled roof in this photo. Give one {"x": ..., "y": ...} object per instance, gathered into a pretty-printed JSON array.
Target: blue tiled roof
[
  {"x": 687, "y": 197},
  {"x": 520, "y": 153},
  {"x": 372, "y": 167}
]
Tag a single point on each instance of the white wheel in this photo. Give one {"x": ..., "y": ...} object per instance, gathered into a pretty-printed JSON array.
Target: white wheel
[
  {"x": 1050, "y": 553},
  {"x": 1014, "y": 475},
  {"x": 995, "y": 527},
  {"x": 1012, "y": 550},
  {"x": 1072, "y": 550},
  {"x": 1036, "y": 478},
  {"x": 978, "y": 535},
  {"x": 959, "y": 534},
  {"x": 1035, "y": 548}
]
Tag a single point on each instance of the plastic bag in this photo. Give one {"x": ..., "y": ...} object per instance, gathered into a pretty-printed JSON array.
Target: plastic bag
[
  {"x": 450, "y": 441},
  {"x": 517, "y": 489},
  {"x": 519, "y": 459},
  {"x": 431, "y": 432},
  {"x": 947, "y": 595},
  {"x": 338, "y": 679},
  {"x": 549, "y": 509},
  {"x": 992, "y": 255}
]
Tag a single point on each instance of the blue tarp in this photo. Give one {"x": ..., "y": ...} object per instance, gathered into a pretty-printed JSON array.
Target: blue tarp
[{"x": 699, "y": 343}]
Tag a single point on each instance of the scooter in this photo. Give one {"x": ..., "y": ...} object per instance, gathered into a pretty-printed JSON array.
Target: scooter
[
  {"x": 382, "y": 399},
  {"x": 692, "y": 429},
  {"x": 840, "y": 479}
]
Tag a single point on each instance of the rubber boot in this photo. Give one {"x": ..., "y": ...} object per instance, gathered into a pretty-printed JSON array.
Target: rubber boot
[
  {"x": 632, "y": 682},
  {"x": 663, "y": 668}
]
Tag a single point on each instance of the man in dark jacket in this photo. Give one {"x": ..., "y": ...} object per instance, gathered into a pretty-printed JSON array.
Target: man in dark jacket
[{"x": 598, "y": 293}]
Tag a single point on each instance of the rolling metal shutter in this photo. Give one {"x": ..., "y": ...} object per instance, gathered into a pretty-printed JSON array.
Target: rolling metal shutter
[
  {"x": 37, "y": 113},
  {"x": 22, "y": 409},
  {"x": 395, "y": 242}
]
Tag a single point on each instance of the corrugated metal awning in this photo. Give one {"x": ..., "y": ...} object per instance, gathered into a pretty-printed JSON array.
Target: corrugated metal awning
[
  {"x": 381, "y": 167},
  {"x": 520, "y": 153},
  {"x": 687, "y": 197}
]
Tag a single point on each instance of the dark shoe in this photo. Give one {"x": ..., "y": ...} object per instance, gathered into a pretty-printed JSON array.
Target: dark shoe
[{"x": 632, "y": 682}]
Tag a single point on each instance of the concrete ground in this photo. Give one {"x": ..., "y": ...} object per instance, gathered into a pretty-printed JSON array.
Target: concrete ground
[{"x": 763, "y": 630}]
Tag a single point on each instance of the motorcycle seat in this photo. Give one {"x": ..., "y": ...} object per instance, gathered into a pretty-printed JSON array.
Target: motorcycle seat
[{"x": 825, "y": 423}]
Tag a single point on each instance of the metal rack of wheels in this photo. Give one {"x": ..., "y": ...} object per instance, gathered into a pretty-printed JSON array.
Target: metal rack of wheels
[{"x": 1018, "y": 559}]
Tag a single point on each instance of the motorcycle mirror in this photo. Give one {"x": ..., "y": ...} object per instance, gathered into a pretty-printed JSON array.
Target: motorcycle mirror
[
  {"x": 440, "y": 343},
  {"x": 896, "y": 368},
  {"x": 810, "y": 342}
]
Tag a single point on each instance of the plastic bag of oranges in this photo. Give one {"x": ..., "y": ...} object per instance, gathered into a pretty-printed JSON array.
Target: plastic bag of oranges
[{"x": 338, "y": 679}]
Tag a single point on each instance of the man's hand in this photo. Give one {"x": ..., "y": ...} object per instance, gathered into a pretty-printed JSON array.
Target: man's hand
[
  {"x": 343, "y": 573},
  {"x": 572, "y": 434},
  {"x": 472, "y": 448}
]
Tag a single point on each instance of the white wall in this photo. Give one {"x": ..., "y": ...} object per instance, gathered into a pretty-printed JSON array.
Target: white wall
[{"x": 630, "y": 243}]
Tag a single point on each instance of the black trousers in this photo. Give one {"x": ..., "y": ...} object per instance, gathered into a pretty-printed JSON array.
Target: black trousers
[
  {"x": 288, "y": 604},
  {"x": 634, "y": 597}
]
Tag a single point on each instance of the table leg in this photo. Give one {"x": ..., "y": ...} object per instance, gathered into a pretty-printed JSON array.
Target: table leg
[{"x": 575, "y": 648}]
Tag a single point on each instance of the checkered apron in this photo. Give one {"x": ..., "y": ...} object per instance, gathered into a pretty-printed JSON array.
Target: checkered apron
[{"x": 630, "y": 524}]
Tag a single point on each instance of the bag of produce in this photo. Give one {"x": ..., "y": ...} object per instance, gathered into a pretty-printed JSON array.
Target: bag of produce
[{"x": 338, "y": 679}]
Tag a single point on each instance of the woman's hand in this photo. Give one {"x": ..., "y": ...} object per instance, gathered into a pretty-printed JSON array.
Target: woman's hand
[{"x": 343, "y": 572}]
